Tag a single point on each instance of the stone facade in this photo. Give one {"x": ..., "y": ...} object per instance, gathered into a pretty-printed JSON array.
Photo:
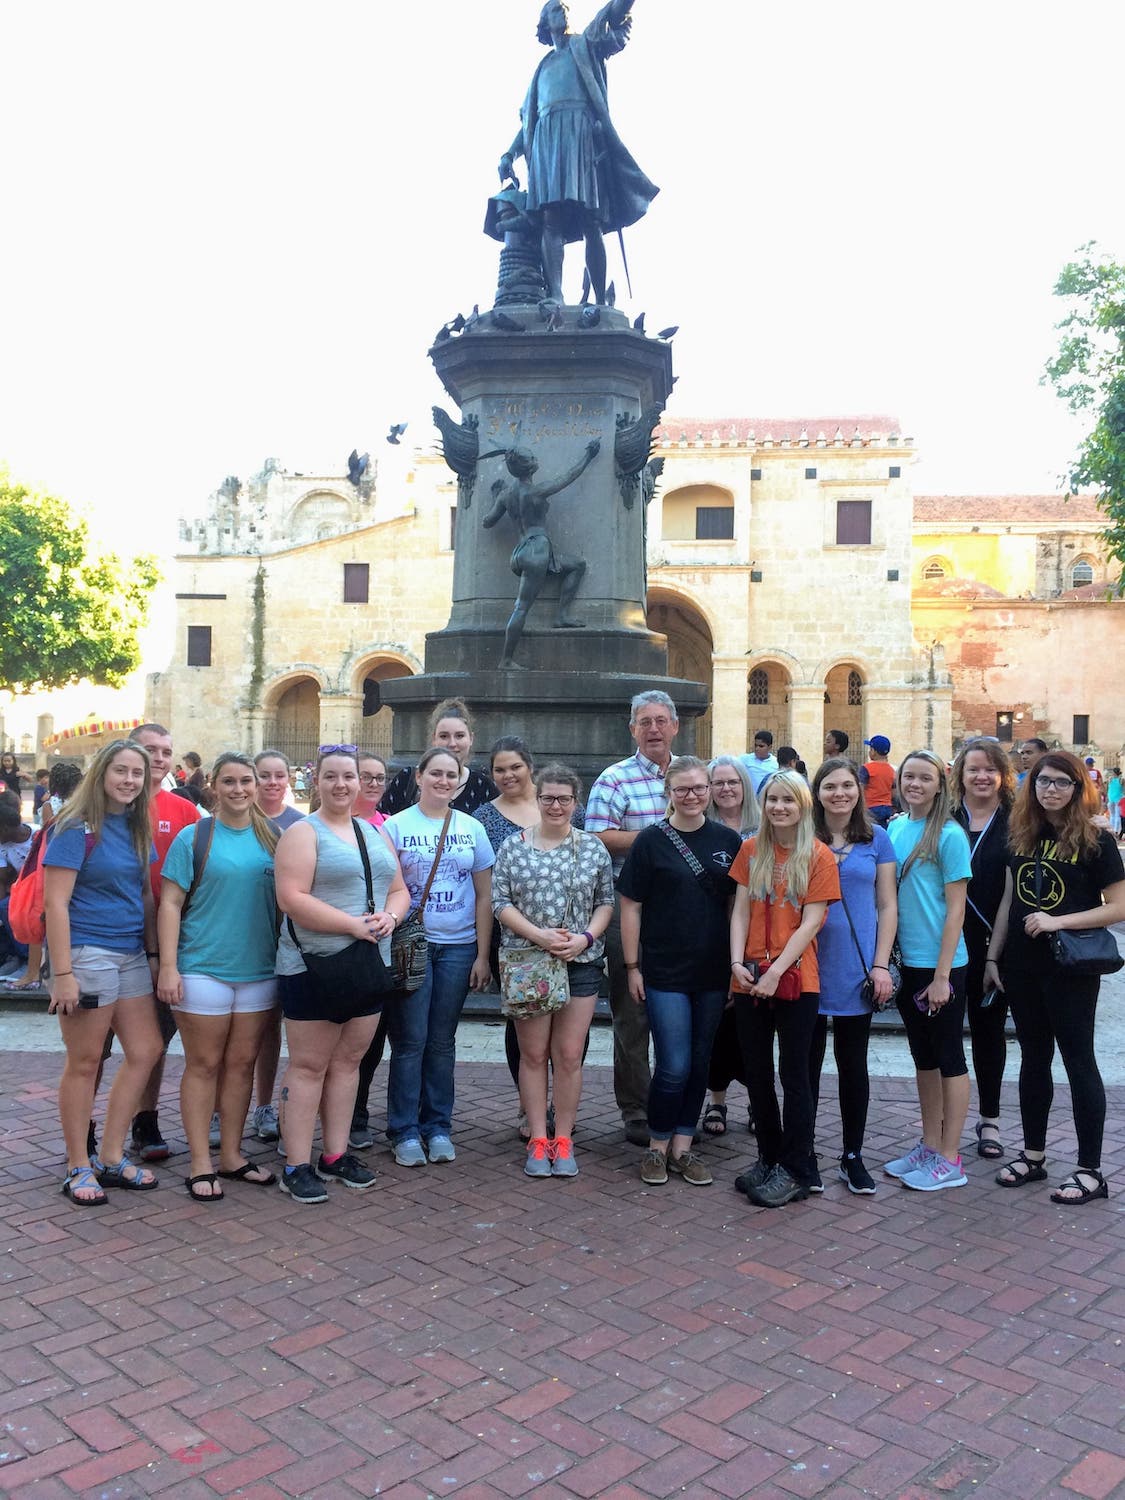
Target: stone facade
[
  {"x": 779, "y": 568},
  {"x": 1030, "y": 653}
]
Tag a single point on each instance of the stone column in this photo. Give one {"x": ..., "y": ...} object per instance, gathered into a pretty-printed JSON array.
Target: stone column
[
  {"x": 44, "y": 729},
  {"x": 890, "y": 711},
  {"x": 253, "y": 723},
  {"x": 806, "y": 721},
  {"x": 339, "y": 713},
  {"x": 728, "y": 705}
]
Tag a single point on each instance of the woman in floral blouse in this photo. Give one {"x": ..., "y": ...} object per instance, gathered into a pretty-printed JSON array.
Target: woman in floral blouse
[{"x": 552, "y": 889}]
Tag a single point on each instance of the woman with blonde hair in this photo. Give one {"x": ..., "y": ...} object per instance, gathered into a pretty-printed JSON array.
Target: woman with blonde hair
[
  {"x": 983, "y": 784},
  {"x": 734, "y": 804},
  {"x": 934, "y": 868},
  {"x": 1064, "y": 876},
  {"x": 785, "y": 880},
  {"x": 101, "y": 935},
  {"x": 218, "y": 944}
]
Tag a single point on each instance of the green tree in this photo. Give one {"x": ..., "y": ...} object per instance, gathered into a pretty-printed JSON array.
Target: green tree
[
  {"x": 67, "y": 612},
  {"x": 1088, "y": 373}
]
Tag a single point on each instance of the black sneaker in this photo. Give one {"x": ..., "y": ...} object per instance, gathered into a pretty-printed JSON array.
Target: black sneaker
[
  {"x": 814, "y": 1183},
  {"x": 855, "y": 1174},
  {"x": 302, "y": 1184},
  {"x": 347, "y": 1169},
  {"x": 148, "y": 1143},
  {"x": 754, "y": 1177},
  {"x": 779, "y": 1188}
]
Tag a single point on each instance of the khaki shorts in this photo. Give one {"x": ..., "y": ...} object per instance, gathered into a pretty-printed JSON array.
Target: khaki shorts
[{"x": 108, "y": 974}]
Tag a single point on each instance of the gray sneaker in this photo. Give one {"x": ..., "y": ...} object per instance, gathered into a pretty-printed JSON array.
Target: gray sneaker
[
  {"x": 902, "y": 1165},
  {"x": 654, "y": 1168},
  {"x": 538, "y": 1163},
  {"x": 360, "y": 1137},
  {"x": 409, "y": 1153},
  {"x": 562, "y": 1157},
  {"x": 440, "y": 1148},
  {"x": 265, "y": 1123},
  {"x": 691, "y": 1167}
]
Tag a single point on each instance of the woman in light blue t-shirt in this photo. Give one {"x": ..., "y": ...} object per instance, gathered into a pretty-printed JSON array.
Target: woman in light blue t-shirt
[
  {"x": 932, "y": 854},
  {"x": 217, "y": 955}
]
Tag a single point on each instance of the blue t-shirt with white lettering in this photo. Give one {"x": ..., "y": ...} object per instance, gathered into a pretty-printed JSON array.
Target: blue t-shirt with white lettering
[
  {"x": 230, "y": 931},
  {"x": 921, "y": 895},
  {"x": 107, "y": 904},
  {"x": 450, "y": 915}
]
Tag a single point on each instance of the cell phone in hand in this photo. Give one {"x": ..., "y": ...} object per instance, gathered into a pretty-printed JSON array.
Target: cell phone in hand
[
  {"x": 88, "y": 1002},
  {"x": 989, "y": 998}
]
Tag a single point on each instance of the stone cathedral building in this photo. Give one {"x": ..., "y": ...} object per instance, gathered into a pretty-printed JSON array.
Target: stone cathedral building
[{"x": 790, "y": 566}]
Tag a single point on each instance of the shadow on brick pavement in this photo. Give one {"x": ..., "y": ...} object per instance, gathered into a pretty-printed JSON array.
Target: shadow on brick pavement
[{"x": 462, "y": 1330}]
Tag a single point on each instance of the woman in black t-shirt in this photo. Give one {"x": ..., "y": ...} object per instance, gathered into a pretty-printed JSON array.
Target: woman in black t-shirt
[
  {"x": 675, "y": 906},
  {"x": 1064, "y": 874}
]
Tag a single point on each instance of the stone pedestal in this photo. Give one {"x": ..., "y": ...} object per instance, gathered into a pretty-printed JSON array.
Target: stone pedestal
[{"x": 550, "y": 392}]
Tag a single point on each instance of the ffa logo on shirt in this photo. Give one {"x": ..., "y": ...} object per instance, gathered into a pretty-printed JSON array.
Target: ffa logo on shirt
[
  {"x": 163, "y": 826},
  {"x": 723, "y": 859}
]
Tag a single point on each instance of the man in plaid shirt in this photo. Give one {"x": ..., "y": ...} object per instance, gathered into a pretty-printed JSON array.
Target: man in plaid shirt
[{"x": 627, "y": 797}]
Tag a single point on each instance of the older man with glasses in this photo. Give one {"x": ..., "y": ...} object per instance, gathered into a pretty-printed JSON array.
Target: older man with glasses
[{"x": 627, "y": 797}]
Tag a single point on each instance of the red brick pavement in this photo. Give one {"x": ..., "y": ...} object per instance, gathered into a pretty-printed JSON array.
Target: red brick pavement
[{"x": 461, "y": 1330}]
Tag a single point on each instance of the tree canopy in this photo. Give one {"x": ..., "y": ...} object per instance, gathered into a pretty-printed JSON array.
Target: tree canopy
[
  {"x": 1088, "y": 373},
  {"x": 67, "y": 611}
]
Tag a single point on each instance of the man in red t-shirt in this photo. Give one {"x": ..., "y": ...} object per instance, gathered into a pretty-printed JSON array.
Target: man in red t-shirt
[
  {"x": 169, "y": 814},
  {"x": 878, "y": 777}
]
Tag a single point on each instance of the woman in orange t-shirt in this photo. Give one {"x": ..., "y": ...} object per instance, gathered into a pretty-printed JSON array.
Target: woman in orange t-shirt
[{"x": 785, "y": 878}]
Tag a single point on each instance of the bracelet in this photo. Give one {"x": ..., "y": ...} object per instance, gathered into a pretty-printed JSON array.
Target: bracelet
[
  {"x": 151, "y": 955},
  {"x": 62, "y": 973},
  {"x": 992, "y": 960},
  {"x": 881, "y": 966},
  {"x": 632, "y": 966},
  {"x": 589, "y": 936}
]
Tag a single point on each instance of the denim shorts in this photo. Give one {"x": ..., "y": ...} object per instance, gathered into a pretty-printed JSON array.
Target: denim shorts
[{"x": 108, "y": 974}]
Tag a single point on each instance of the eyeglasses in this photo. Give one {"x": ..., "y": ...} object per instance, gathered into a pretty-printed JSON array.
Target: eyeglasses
[
  {"x": 724, "y": 786},
  {"x": 336, "y": 749},
  {"x": 1054, "y": 784},
  {"x": 567, "y": 801},
  {"x": 690, "y": 791},
  {"x": 981, "y": 739},
  {"x": 369, "y": 780},
  {"x": 654, "y": 723}
]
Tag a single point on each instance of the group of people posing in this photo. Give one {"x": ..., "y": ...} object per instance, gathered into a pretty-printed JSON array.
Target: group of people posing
[{"x": 734, "y": 926}]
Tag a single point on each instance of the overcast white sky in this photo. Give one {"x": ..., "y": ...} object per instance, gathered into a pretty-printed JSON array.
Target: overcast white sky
[{"x": 231, "y": 230}]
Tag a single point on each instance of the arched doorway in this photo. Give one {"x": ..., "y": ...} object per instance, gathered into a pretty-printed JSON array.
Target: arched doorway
[
  {"x": 843, "y": 705},
  {"x": 294, "y": 726},
  {"x": 767, "y": 702},
  {"x": 689, "y": 650},
  {"x": 373, "y": 731}
]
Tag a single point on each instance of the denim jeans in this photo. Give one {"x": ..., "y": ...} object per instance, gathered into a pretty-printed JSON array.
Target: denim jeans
[
  {"x": 683, "y": 1031},
  {"x": 423, "y": 1030}
]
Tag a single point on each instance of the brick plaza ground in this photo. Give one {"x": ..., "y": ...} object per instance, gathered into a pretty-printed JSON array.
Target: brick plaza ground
[{"x": 461, "y": 1330}]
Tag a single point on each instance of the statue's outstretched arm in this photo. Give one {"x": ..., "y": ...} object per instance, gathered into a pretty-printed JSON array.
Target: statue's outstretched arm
[{"x": 593, "y": 448}]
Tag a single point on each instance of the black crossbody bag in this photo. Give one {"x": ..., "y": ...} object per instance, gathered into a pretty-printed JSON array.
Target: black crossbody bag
[
  {"x": 1085, "y": 950},
  {"x": 357, "y": 974}
]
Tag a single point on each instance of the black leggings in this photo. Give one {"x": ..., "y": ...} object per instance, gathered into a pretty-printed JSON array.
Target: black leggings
[
  {"x": 936, "y": 1042},
  {"x": 785, "y": 1138},
  {"x": 726, "y": 1055},
  {"x": 371, "y": 1060},
  {"x": 849, "y": 1046},
  {"x": 1048, "y": 1009},
  {"x": 986, "y": 1028}
]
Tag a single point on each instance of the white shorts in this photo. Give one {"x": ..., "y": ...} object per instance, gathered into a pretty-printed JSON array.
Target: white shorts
[
  {"x": 204, "y": 996},
  {"x": 105, "y": 975}
]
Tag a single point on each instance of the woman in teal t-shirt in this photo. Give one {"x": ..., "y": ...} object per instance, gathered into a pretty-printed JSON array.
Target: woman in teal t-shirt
[
  {"x": 217, "y": 955},
  {"x": 932, "y": 854}
]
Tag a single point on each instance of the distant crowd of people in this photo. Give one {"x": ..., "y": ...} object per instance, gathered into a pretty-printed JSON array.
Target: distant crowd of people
[{"x": 733, "y": 908}]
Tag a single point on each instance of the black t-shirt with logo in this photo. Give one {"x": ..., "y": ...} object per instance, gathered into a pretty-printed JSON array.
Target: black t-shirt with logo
[
  {"x": 1065, "y": 886},
  {"x": 685, "y": 925}
]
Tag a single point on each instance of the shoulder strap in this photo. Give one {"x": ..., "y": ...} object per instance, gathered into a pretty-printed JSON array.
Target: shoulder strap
[
  {"x": 201, "y": 841},
  {"x": 677, "y": 843},
  {"x": 1038, "y": 875},
  {"x": 362, "y": 843},
  {"x": 855, "y": 936}
]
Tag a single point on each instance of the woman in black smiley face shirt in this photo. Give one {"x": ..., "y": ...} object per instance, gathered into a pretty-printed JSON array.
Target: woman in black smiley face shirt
[{"x": 1064, "y": 874}]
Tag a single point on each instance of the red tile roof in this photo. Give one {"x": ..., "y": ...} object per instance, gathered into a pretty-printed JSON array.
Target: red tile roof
[
  {"x": 1092, "y": 591},
  {"x": 1079, "y": 510},
  {"x": 757, "y": 429},
  {"x": 956, "y": 588}
]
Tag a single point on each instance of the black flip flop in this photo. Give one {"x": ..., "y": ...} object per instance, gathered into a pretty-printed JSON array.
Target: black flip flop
[
  {"x": 212, "y": 1196},
  {"x": 242, "y": 1174}
]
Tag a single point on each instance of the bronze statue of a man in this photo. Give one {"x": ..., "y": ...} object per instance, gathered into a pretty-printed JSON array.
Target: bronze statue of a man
[
  {"x": 534, "y": 556},
  {"x": 580, "y": 178}
]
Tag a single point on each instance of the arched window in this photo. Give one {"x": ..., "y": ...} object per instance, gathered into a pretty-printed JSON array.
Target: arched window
[
  {"x": 759, "y": 686},
  {"x": 1082, "y": 573},
  {"x": 934, "y": 569},
  {"x": 855, "y": 690}
]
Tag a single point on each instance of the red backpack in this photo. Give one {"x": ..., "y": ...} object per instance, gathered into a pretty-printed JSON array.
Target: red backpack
[{"x": 26, "y": 917}]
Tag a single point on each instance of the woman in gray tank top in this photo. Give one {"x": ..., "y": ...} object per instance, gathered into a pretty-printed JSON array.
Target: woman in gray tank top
[{"x": 322, "y": 887}]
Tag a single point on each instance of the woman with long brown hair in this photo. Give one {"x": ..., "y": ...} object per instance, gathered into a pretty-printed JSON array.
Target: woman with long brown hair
[
  {"x": 983, "y": 784},
  {"x": 1064, "y": 875},
  {"x": 450, "y": 728}
]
